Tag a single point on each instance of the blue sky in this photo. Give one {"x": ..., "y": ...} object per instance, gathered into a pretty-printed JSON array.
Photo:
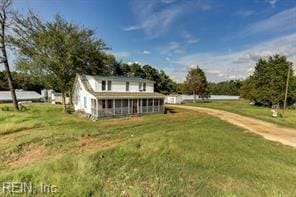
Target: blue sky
[{"x": 225, "y": 38}]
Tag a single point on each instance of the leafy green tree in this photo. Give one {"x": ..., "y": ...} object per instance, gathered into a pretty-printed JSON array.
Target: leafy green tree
[
  {"x": 57, "y": 50},
  {"x": 126, "y": 69},
  {"x": 267, "y": 84},
  {"x": 20, "y": 81},
  {"x": 248, "y": 89},
  {"x": 231, "y": 87},
  {"x": 153, "y": 74},
  {"x": 196, "y": 82},
  {"x": 166, "y": 85},
  {"x": 115, "y": 67},
  {"x": 137, "y": 70}
]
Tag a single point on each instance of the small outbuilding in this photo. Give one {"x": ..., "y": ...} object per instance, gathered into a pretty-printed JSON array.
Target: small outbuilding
[
  {"x": 174, "y": 99},
  {"x": 21, "y": 95}
]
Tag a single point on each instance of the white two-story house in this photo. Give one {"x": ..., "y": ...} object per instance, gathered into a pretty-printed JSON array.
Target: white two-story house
[{"x": 102, "y": 96}]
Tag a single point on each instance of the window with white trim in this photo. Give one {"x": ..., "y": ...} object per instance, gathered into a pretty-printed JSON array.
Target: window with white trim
[
  {"x": 109, "y": 85},
  {"x": 103, "y": 85},
  {"x": 127, "y": 86},
  {"x": 85, "y": 102}
]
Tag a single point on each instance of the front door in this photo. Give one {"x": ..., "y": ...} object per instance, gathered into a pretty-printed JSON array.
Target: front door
[{"x": 135, "y": 106}]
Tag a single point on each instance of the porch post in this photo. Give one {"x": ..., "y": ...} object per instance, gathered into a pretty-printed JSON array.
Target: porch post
[
  {"x": 97, "y": 108},
  {"x": 138, "y": 109},
  {"x": 113, "y": 107},
  {"x": 158, "y": 105},
  {"x": 121, "y": 106},
  {"x": 128, "y": 106},
  {"x": 141, "y": 106},
  {"x": 153, "y": 105}
]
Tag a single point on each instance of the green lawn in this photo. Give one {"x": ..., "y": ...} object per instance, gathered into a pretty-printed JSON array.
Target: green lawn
[
  {"x": 244, "y": 108},
  {"x": 183, "y": 153}
]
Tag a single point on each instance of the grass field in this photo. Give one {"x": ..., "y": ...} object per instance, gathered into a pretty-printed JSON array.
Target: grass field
[
  {"x": 244, "y": 108},
  {"x": 183, "y": 153}
]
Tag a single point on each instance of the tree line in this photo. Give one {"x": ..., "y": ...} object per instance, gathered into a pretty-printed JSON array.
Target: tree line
[{"x": 51, "y": 53}]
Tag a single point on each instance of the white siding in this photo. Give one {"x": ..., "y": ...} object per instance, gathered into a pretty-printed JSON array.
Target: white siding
[
  {"x": 118, "y": 86},
  {"x": 82, "y": 93},
  {"x": 149, "y": 87}
]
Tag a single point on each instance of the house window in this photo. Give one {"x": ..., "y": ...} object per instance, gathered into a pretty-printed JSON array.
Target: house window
[
  {"x": 103, "y": 85},
  {"x": 144, "y": 87},
  {"x": 109, "y": 85},
  {"x": 144, "y": 102},
  {"x": 109, "y": 104},
  {"x": 127, "y": 86},
  {"x": 85, "y": 104},
  {"x": 140, "y": 86},
  {"x": 103, "y": 104}
]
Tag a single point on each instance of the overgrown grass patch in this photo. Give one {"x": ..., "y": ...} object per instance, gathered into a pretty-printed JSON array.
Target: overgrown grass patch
[{"x": 179, "y": 154}]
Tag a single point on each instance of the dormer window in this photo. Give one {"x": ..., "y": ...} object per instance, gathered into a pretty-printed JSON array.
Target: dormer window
[
  {"x": 103, "y": 85},
  {"x": 140, "y": 86},
  {"x": 108, "y": 84},
  {"x": 127, "y": 86}
]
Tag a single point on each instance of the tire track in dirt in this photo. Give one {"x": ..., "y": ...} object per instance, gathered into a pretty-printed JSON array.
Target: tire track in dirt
[{"x": 269, "y": 131}]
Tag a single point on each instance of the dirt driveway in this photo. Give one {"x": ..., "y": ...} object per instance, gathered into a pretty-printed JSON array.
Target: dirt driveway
[{"x": 268, "y": 130}]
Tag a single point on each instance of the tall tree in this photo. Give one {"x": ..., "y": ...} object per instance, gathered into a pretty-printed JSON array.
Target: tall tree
[
  {"x": 5, "y": 12},
  {"x": 58, "y": 50},
  {"x": 196, "y": 82},
  {"x": 268, "y": 83}
]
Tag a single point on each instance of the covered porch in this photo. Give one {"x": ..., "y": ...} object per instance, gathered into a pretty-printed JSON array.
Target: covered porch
[{"x": 102, "y": 107}]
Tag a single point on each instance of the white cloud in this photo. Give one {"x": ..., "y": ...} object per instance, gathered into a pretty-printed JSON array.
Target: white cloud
[
  {"x": 281, "y": 22},
  {"x": 215, "y": 72},
  {"x": 172, "y": 47},
  {"x": 272, "y": 2},
  {"x": 238, "y": 65},
  {"x": 190, "y": 39},
  {"x": 244, "y": 13},
  {"x": 251, "y": 70},
  {"x": 131, "y": 28},
  {"x": 146, "y": 52},
  {"x": 120, "y": 54},
  {"x": 136, "y": 62},
  {"x": 168, "y": 1},
  {"x": 156, "y": 17}
]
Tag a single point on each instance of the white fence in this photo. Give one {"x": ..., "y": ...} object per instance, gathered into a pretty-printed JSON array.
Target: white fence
[{"x": 184, "y": 97}]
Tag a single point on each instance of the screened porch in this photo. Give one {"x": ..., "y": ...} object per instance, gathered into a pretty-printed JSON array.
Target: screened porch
[{"x": 123, "y": 107}]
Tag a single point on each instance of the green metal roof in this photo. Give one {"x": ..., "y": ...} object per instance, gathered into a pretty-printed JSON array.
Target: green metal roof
[{"x": 120, "y": 78}]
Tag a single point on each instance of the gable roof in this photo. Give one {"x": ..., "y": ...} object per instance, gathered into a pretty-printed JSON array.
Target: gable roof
[{"x": 88, "y": 88}]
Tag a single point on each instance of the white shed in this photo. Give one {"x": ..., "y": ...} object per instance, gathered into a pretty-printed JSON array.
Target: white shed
[{"x": 174, "y": 99}]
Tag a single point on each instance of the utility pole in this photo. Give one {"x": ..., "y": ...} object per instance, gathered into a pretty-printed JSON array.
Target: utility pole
[{"x": 287, "y": 88}]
